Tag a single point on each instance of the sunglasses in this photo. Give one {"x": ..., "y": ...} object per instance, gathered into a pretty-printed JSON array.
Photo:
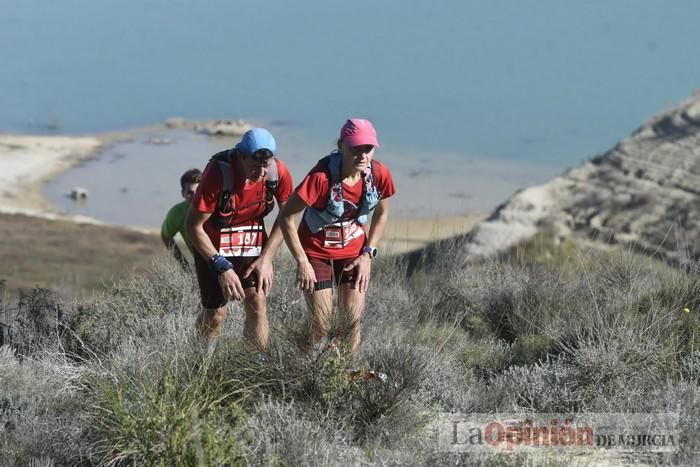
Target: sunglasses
[{"x": 262, "y": 157}]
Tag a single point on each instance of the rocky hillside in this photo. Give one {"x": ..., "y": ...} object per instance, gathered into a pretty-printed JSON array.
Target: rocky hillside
[{"x": 645, "y": 191}]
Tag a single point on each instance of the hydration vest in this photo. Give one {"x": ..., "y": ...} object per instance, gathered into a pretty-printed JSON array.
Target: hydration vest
[
  {"x": 318, "y": 219},
  {"x": 221, "y": 218}
]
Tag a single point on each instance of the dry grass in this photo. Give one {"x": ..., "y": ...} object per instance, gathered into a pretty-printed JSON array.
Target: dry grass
[
  {"x": 123, "y": 379},
  {"x": 67, "y": 256}
]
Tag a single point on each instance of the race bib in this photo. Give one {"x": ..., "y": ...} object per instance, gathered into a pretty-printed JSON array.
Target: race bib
[
  {"x": 244, "y": 240},
  {"x": 341, "y": 233}
]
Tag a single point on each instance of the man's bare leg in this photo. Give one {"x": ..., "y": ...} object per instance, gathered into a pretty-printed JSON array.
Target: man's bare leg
[
  {"x": 209, "y": 323},
  {"x": 256, "y": 331}
]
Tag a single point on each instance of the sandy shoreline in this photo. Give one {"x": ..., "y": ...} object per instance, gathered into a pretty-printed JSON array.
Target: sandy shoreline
[
  {"x": 402, "y": 235},
  {"x": 27, "y": 162}
]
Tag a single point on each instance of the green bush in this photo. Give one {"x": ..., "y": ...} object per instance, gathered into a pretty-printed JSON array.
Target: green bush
[
  {"x": 181, "y": 417},
  {"x": 486, "y": 356},
  {"x": 532, "y": 348}
]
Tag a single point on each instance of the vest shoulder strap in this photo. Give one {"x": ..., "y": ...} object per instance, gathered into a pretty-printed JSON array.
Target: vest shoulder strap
[
  {"x": 223, "y": 159},
  {"x": 271, "y": 182},
  {"x": 272, "y": 176},
  {"x": 332, "y": 163}
]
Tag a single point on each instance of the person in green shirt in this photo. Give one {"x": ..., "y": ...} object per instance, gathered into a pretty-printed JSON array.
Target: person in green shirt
[{"x": 174, "y": 222}]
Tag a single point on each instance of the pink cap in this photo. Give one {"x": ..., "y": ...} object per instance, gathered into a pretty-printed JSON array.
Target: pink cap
[{"x": 358, "y": 132}]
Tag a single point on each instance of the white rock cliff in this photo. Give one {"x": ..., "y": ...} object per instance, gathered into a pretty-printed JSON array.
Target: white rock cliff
[{"x": 645, "y": 191}]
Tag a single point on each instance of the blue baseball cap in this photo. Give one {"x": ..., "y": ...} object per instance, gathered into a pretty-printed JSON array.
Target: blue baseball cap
[{"x": 256, "y": 139}]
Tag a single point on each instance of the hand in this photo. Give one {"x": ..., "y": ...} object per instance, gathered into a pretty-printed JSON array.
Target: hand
[
  {"x": 306, "y": 277},
  {"x": 263, "y": 267},
  {"x": 231, "y": 286},
  {"x": 363, "y": 263}
]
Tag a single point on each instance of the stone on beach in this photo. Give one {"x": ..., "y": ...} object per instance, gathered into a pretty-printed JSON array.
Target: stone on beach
[
  {"x": 79, "y": 193},
  {"x": 157, "y": 140},
  {"x": 230, "y": 127}
]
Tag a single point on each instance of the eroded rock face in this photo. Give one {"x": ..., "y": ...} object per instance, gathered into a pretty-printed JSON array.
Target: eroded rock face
[{"x": 644, "y": 191}]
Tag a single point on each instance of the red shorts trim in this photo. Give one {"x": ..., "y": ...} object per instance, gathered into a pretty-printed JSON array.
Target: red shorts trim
[
  {"x": 209, "y": 288},
  {"x": 331, "y": 270}
]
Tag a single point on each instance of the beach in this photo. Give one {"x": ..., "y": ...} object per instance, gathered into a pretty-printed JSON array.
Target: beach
[{"x": 28, "y": 162}]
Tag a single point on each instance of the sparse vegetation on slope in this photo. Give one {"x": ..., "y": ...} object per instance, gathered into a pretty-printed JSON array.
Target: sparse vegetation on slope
[{"x": 121, "y": 377}]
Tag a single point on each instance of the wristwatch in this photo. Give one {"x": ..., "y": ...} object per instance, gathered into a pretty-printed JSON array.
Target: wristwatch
[{"x": 371, "y": 251}]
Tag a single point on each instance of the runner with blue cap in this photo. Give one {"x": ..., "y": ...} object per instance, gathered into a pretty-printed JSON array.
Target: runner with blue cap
[
  {"x": 226, "y": 226},
  {"x": 255, "y": 140}
]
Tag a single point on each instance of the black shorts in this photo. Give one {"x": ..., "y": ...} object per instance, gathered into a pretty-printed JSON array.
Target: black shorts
[
  {"x": 209, "y": 287},
  {"x": 331, "y": 270}
]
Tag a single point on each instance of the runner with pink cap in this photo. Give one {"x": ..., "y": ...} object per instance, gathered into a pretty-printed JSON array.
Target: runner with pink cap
[
  {"x": 335, "y": 242},
  {"x": 358, "y": 132}
]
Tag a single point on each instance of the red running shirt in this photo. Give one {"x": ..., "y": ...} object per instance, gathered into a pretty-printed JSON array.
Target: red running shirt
[
  {"x": 314, "y": 191},
  {"x": 248, "y": 197}
]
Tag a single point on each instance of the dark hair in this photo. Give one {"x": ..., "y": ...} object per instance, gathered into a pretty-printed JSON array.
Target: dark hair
[{"x": 190, "y": 177}]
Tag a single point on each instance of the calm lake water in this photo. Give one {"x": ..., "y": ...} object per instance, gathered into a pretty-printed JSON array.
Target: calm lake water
[
  {"x": 135, "y": 182},
  {"x": 544, "y": 83}
]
